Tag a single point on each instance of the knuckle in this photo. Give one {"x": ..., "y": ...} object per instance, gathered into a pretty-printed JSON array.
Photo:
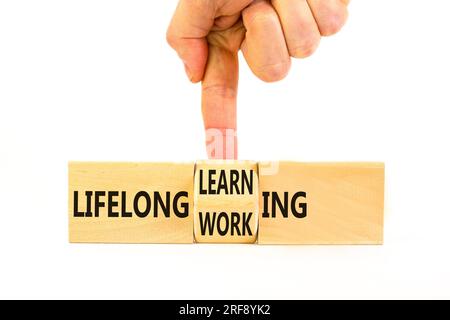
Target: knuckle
[
  {"x": 306, "y": 47},
  {"x": 273, "y": 72},
  {"x": 219, "y": 90},
  {"x": 333, "y": 22}
]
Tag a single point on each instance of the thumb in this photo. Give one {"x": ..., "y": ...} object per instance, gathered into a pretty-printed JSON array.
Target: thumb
[{"x": 190, "y": 24}]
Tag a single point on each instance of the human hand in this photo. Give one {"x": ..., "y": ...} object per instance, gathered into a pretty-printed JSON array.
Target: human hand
[{"x": 207, "y": 35}]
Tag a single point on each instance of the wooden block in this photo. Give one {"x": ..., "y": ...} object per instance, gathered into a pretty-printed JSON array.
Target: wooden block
[
  {"x": 131, "y": 202},
  {"x": 321, "y": 203},
  {"x": 226, "y": 202}
]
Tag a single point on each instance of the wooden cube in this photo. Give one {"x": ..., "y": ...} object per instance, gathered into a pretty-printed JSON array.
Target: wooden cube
[
  {"x": 321, "y": 203},
  {"x": 130, "y": 202},
  {"x": 226, "y": 202}
]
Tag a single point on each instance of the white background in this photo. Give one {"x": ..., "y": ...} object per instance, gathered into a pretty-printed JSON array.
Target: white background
[{"x": 95, "y": 80}]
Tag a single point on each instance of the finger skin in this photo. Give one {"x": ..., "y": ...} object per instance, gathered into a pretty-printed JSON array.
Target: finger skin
[
  {"x": 224, "y": 22},
  {"x": 219, "y": 92},
  {"x": 264, "y": 47},
  {"x": 190, "y": 25},
  {"x": 330, "y": 15},
  {"x": 219, "y": 89},
  {"x": 300, "y": 29}
]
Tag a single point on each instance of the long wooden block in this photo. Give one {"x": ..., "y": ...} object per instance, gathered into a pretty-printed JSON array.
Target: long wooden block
[
  {"x": 231, "y": 202},
  {"x": 131, "y": 202},
  {"x": 321, "y": 203},
  {"x": 226, "y": 202}
]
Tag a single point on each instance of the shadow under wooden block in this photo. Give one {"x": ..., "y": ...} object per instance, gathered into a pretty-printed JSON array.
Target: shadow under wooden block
[
  {"x": 130, "y": 202},
  {"x": 226, "y": 202},
  {"x": 321, "y": 203}
]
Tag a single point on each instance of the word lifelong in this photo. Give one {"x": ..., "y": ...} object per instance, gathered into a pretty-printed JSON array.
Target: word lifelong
[{"x": 142, "y": 204}]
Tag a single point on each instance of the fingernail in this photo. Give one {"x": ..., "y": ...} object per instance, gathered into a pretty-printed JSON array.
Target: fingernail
[{"x": 188, "y": 72}]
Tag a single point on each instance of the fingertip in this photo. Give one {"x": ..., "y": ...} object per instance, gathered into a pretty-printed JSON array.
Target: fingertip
[
  {"x": 194, "y": 55},
  {"x": 221, "y": 143}
]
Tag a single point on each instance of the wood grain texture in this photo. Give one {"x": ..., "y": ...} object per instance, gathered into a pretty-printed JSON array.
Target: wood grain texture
[
  {"x": 344, "y": 204},
  {"x": 238, "y": 202},
  {"x": 131, "y": 178}
]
